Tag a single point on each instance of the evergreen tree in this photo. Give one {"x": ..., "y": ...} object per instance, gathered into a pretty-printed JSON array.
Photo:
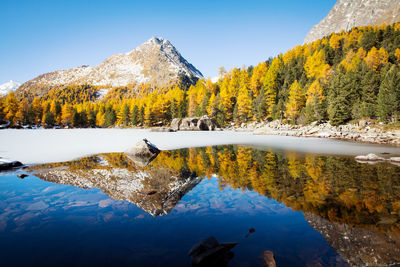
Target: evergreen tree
[
  {"x": 370, "y": 88},
  {"x": 135, "y": 115},
  {"x": 49, "y": 119},
  {"x": 388, "y": 96},
  {"x": 109, "y": 117},
  {"x": 342, "y": 96}
]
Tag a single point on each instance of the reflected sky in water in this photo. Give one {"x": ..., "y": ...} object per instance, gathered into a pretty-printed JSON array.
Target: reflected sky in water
[{"x": 67, "y": 220}]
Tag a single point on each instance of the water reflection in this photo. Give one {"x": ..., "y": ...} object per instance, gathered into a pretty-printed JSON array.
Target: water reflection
[{"x": 356, "y": 207}]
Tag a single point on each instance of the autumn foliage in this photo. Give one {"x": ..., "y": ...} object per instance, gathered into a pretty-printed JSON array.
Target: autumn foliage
[{"x": 342, "y": 77}]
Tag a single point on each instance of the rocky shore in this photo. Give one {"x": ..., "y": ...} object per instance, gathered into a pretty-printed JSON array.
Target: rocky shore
[{"x": 354, "y": 132}]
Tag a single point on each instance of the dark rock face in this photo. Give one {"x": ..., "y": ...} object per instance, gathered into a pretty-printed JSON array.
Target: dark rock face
[
  {"x": 194, "y": 124},
  {"x": 209, "y": 252},
  {"x": 359, "y": 247},
  {"x": 8, "y": 165}
]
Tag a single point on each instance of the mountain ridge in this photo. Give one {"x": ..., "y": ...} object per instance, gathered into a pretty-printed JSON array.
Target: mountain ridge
[{"x": 347, "y": 14}]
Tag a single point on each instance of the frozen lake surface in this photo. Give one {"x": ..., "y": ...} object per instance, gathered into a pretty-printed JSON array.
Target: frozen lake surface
[{"x": 55, "y": 145}]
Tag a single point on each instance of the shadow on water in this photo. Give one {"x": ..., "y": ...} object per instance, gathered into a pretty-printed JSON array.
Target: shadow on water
[{"x": 355, "y": 207}]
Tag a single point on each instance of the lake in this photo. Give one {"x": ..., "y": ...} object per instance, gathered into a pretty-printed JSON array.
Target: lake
[{"x": 308, "y": 209}]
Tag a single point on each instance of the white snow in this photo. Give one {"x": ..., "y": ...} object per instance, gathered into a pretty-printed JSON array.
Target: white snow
[
  {"x": 54, "y": 145},
  {"x": 215, "y": 79},
  {"x": 9, "y": 86},
  {"x": 102, "y": 93}
]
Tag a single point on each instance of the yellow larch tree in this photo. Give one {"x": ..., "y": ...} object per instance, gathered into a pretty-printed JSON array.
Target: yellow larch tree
[
  {"x": 315, "y": 93},
  {"x": 296, "y": 101},
  {"x": 270, "y": 83},
  {"x": 351, "y": 61},
  {"x": 244, "y": 97},
  {"x": 334, "y": 41},
  {"x": 397, "y": 54},
  {"x": 212, "y": 106},
  {"x": 22, "y": 113},
  {"x": 376, "y": 57},
  {"x": 226, "y": 98},
  {"x": 67, "y": 112},
  {"x": 316, "y": 66},
  {"x": 257, "y": 78}
]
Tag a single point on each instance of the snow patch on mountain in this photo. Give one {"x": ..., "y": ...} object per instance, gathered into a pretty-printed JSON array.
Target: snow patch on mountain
[{"x": 5, "y": 88}]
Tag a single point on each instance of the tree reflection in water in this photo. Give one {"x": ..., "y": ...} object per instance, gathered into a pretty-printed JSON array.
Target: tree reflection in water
[{"x": 336, "y": 193}]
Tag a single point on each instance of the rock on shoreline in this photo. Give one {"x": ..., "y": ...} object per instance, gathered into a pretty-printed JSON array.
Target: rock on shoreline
[
  {"x": 353, "y": 132},
  {"x": 194, "y": 124},
  {"x": 8, "y": 164}
]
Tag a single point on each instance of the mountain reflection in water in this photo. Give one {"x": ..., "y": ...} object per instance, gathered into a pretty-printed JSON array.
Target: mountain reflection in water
[{"x": 355, "y": 206}]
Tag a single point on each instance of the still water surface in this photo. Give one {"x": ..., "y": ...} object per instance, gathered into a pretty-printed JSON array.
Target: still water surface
[{"x": 110, "y": 210}]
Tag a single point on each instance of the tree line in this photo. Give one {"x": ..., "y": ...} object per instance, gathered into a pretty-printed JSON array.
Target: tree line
[{"x": 342, "y": 77}]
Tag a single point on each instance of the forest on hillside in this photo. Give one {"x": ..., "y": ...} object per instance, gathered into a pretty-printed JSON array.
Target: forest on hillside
[{"x": 343, "y": 77}]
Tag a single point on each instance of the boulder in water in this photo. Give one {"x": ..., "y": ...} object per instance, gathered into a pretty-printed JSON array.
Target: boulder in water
[
  {"x": 143, "y": 152},
  {"x": 209, "y": 252},
  {"x": 268, "y": 258}
]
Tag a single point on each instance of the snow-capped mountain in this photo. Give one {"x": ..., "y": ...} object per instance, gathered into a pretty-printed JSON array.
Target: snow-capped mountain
[
  {"x": 155, "y": 62},
  {"x": 9, "y": 86},
  {"x": 347, "y": 14}
]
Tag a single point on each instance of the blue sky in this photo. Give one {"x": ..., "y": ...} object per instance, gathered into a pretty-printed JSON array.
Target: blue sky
[{"x": 39, "y": 36}]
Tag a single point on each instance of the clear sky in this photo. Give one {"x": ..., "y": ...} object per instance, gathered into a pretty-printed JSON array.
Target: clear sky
[{"x": 39, "y": 36}]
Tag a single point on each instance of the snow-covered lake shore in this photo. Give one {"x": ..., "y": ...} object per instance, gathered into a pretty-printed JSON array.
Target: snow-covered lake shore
[{"x": 55, "y": 145}]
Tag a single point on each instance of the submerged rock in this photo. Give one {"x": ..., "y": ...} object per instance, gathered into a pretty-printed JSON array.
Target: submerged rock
[
  {"x": 22, "y": 175},
  {"x": 209, "y": 252},
  {"x": 268, "y": 259}
]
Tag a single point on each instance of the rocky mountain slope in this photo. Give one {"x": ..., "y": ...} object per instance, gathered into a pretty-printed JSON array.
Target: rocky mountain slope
[
  {"x": 155, "y": 62},
  {"x": 347, "y": 14},
  {"x": 156, "y": 190},
  {"x": 8, "y": 86}
]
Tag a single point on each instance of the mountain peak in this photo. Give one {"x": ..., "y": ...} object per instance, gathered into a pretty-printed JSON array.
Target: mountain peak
[
  {"x": 156, "y": 62},
  {"x": 347, "y": 14}
]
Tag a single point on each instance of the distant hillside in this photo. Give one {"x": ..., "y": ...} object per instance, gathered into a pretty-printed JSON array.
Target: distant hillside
[
  {"x": 347, "y": 14},
  {"x": 156, "y": 62}
]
